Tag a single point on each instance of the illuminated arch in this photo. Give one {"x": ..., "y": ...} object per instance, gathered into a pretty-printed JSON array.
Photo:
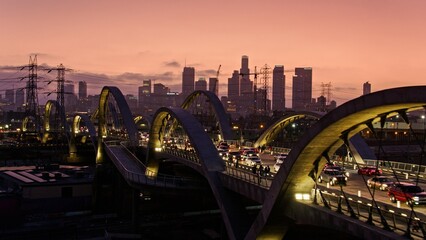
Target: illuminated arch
[
  {"x": 324, "y": 137},
  {"x": 219, "y": 111},
  {"x": 148, "y": 120},
  {"x": 46, "y": 119},
  {"x": 126, "y": 114},
  {"x": 271, "y": 133},
  {"x": 211, "y": 163},
  {"x": 25, "y": 122},
  {"x": 90, "y": 127}
]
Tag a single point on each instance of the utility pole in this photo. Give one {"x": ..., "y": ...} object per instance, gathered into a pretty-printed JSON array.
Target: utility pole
[
  {"x": 265, "y": 71},
  {"x": 326, "y": 92},
  {"x": 60, "y": 92},
  {"x": 31, "y": 106}
]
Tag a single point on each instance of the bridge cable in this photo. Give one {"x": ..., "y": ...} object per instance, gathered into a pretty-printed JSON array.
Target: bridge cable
[
  {"x": 420, "y": 163},
  {"x": 382, "y": 150},
  {"x": 345, "y": 137}
]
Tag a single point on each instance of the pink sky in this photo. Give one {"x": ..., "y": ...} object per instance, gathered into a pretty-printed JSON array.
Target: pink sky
[{"x": 122, "y": 42}]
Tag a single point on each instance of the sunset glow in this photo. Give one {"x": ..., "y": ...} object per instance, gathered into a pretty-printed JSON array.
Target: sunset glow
[{"x": 120, "y": 43}]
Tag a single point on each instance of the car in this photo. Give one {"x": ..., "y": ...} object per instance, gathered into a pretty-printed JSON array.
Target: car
[
  {"x": 233, "y": 157},
  {"x": 249, "y": 153},
  {"x": 333, "y": 177},
  {"x": 381, "y": 182},
  {"x": 281, "y": 155},
  {"x": 369, "y": 170},
  {"x": 244, "y": 149},
  {"x": 408, "y": 193},
  {"x": 338, "y": 168},
  {"x": 253, "y": 160},
  {"x": 222, "y": 150},
  {"x": 278, "y": 163}
]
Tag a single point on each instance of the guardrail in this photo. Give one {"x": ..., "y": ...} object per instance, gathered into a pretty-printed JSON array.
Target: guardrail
[
  {"x": 406, "y": 169},
  {"x": 396, "y": 219},
  {"x": 147, "y": 177}
]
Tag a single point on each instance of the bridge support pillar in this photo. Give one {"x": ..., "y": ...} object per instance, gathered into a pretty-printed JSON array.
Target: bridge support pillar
[{"x": 152, "y": 162}]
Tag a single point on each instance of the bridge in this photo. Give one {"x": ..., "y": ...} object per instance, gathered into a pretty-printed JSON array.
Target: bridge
[{"x": 291, "y": 195}]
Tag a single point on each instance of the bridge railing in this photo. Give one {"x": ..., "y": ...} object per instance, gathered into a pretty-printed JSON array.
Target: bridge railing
[
  {"x": 244, "y": 173},
  {"x": 397, "y": 219},
  {"x": 181, "y": 153},
  {"x": 407, "y": 169},
  {"x": 147, "y": 177}
]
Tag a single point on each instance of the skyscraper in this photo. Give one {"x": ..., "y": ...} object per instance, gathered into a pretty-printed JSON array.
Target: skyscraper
[
  {"x": 302, "y": 88},
  {"x": 234, "y": 86},
  {"x": 145, "y": 89},
  {"x": 246, "y": 86},
  {"x": 188, "y": 79},
  {"x": 10, "y": 96},
  {"x": 278, "y": 88},
  {"x": 201, "y": 84},
  {"x": 19, "y": 98},
  {"x": 144, "y": 92},
  {"x": 366, "y": 88},
  {"x": 82, "y": 90},
  {"x": 214, "y": 85}
]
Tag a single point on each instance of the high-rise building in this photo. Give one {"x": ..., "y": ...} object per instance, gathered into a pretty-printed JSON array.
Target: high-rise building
[
  {"x": 188, "y": 80},
  {"x": 246, "y": 86},
  {"x": 10, "y": 96},
  {"x": 302, "y": 88},
  {"x": 201, "y": 84},
  {"x": 146, "y": 87},
  {"x": 214, "y": 85},
  {"x": 160, "y": 89},
  {"x": 234, "y": 86},
  {"x": 70, "y": 98},
  {"x": 19, "y": 98},
  {"x": 82, "y": 90},
  {"x": 144, "y": 92},
  {"x": 278, "y": 88},
  {"x": 366, "y": 88}
]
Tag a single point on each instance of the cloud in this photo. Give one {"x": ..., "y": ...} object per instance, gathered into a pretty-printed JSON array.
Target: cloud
[
  {"x": 207, "y": 73},
  {"x": 173, "y": 64}
]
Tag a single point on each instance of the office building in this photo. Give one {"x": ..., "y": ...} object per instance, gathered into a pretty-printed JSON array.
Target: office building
[
  {"x": 82, "y": 90},
  {"x": 201, "y": 84},
  {"x": 188, "y": 81},
  {"x": 278, "y": 88},
  {"x": 9, "y": 96},
  {"x": 302, "y": 88},
  {"x": 19, "y": 98},
  {"x": 214, "y": 86},
  {"x": 366, "y": 88},
  {"x": 246, "y": 86},
  {"x": 234, "y": 87}
]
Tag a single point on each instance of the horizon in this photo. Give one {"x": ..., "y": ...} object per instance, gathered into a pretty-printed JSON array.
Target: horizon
[{"x": 111, "y": 43}]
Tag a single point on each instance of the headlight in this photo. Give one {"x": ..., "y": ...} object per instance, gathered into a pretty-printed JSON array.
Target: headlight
[
  {"x": 334, "y": 179},
  {"x": 384, "y": 185},
  {"x": 416, "y": 199},
  {"x": 346, "y": 179}
]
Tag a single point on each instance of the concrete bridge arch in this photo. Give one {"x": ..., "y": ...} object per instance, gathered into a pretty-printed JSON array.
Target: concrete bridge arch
[
  {"x": 219, "y": 111},
  {"x": 125, "y": 112},
  {"x": 323, "y": 138},
  {"x": 271, "y": 133},
  {"x": 232, "y": 209},
  {"x": 46, "y": 120}
]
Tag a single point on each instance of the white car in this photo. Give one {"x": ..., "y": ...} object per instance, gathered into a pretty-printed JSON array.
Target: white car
[
  {"x": 278, "y": 163},
  {"x": 253, "y": 160},
  {"x": 280, "y": 155}
]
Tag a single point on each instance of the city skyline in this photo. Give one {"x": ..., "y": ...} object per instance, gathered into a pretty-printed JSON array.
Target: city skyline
[{"x": 346, "y": 44}]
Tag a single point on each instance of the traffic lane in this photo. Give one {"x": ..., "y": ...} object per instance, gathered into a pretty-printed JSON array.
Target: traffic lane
[{"x": 357, "y": 185}]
